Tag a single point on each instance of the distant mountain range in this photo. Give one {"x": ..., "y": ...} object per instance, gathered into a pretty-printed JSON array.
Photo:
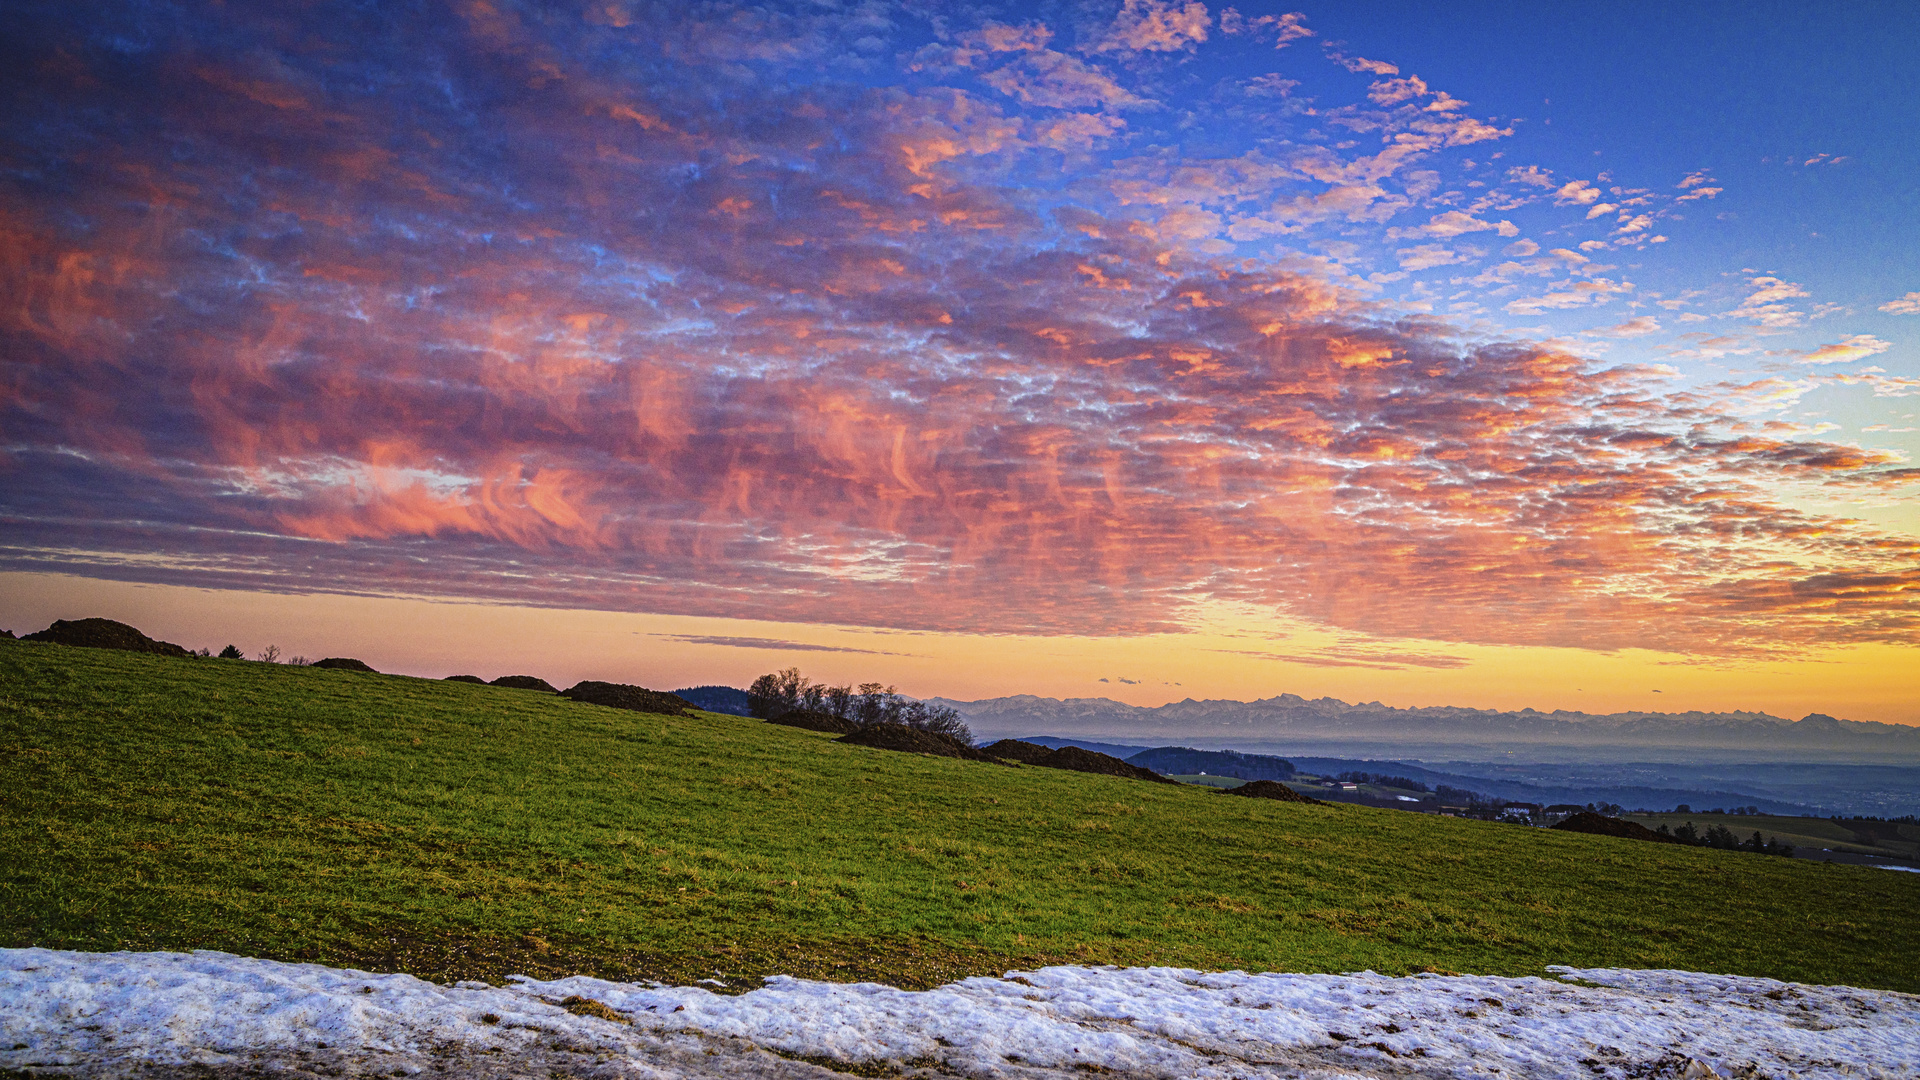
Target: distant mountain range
[
  {"x": 1291, "y": 718},
  {"x": 1183, "y": 761}
]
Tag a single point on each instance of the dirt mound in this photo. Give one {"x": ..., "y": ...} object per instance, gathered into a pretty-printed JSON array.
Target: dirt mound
[
  {"x": 1588, "y": 822},
  {"x": 1270, "y": 789},
  {"x": 1078, "y": 760},
  {"x": 532, "y": 682},
  {"x": 814, "y": 720},
  {"x": 344, "y": 663},
  {"x": 104, "y": 634},
  {"x": 465, "y": 678},
  {"x": 915, "y": 741},
  {"x": 623, "y": 696},
  {"x": 1014, "y": 750}
]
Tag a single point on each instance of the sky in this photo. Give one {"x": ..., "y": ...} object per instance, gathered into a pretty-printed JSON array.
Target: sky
[{"x": 1489, "y": 356}]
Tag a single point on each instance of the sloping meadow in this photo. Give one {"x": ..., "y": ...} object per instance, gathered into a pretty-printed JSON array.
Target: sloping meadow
[{"x": 457, "y": 831}]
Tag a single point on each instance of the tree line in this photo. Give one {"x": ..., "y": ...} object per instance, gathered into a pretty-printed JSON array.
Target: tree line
[
  {"x": 1384, "y": 780},
  {"x": 1719, "y": 836},
  {"x": 775, "y": 694}
]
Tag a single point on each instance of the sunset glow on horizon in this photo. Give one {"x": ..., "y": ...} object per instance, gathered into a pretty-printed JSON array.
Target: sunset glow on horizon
[{"x": 1143, "y": 350}]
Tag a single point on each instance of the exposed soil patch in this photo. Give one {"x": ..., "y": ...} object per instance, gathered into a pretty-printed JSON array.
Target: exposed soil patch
[
  {"x": 1079, "y": 760},
  {"x": 1270, "y": 789},
  {"x": 623, "y": 696},
  {"x": 465, "y": 678},
  {"x": 531, "y": 682},
  {"x": 915, "y": 741},
  {"x": 1588, "y": 822},
  {"x": 104, "y": 634},
  {"x": 343, "y": 663},
  {"x": 815, "y": 720},
  {"x": 1014, "y": 750}
]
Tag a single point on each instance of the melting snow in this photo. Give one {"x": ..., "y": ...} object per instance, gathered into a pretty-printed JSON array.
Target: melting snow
[{"x": 97, "y": 1014}]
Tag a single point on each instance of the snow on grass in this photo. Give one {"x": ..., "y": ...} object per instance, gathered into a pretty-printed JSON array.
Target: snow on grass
[{"x": 96, "y": 1013}]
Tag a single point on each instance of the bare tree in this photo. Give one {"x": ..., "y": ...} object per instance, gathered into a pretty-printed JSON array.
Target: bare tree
[
  {"x": 779, "y": 692},
  {"x": 838, "y": 700},
  {"x": 775, "y": 693},
  {"x": 763, "y": 697},
  {"x": 872, "y": 704},
  {"x": 270, "y": 654}
]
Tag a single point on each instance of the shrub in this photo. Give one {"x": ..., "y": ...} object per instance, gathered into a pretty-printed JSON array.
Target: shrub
[
  {"x": 104, "y": 634},
  {"x": 525, "y": 682},
  {"x": 623, "y": 696}
]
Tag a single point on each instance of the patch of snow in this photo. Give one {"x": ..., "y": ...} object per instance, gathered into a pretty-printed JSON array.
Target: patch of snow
[
  {"x": 1908, "y": 869},
  {"x": 98, "y": 1014}
]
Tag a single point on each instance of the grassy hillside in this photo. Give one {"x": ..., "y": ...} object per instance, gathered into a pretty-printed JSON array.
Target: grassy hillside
[{"x": 464, "y": 831}]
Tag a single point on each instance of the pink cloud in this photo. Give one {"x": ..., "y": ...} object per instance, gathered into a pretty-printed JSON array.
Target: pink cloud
[
  {"x": 1285, "y": 29},
  {"x": 1640, "y": 326},
  {"x": 1395, "y": 91},
  {"x": 1059, "y": 81},
  {"x": 1360, "y": 64},
  {"x": 1571, "y": 294},
  {"x": 1767, "y": 304},
  {"x": 1455, "y": 223},
  {"x": 1155, "y": 26},
  {"x": 1576, "y": 193}
]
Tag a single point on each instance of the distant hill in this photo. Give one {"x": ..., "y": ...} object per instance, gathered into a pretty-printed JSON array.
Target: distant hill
[
  {"x": 724, "y": 699},
  {"x": 1185, "y": 761},
  {"x": 1115, "y": 749},
  {"x": 1291, "y": 717}
]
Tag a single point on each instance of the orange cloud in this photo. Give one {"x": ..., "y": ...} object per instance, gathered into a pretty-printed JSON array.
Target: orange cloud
[{"x": 1857, "y": 347}]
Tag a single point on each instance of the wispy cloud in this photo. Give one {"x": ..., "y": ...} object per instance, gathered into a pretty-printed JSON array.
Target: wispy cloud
[
  {"x": 1639, "y": 326},
  {"x": 1376, "y": 657},
  {"x": 1284, "y": 30},
  {"x": 770, "y": 644},
  {"x": 1767, "y": 305}
]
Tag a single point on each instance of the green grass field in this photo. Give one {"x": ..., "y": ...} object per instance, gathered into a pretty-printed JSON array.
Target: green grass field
[
  {"x": 1203, "y": 780},
  {"x": 462, "y": 831}
]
